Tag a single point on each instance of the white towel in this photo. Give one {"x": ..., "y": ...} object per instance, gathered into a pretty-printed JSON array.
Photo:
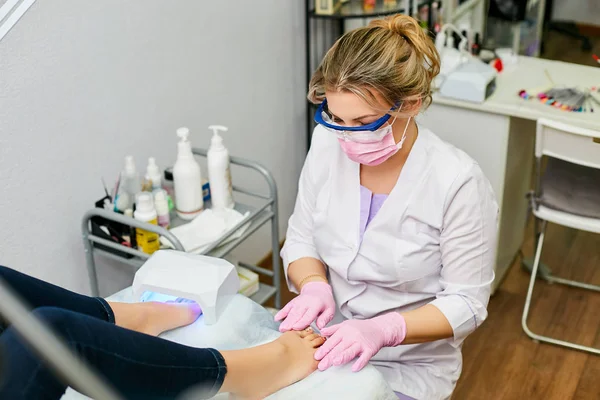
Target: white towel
[{"x": 197, "y": 235}]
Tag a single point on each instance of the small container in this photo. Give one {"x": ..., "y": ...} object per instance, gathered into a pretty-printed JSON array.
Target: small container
[
  {"x": 130, "y": 185},
  {"x": 147, "y": 241},
  {"x": 132, "y": 238},
  {"x": 168, "y": 183},
  {"x": 117, "y": 232},
  {"x": 162, "y": 208},
  {"x": 327, "y": 7},
  {"x": 153, "y": 174},
  {"x": 249, "y": 283},
  {"x": 476, "y": 46},
  {"x": 169, "y": 187},
  {"x": 205, "y": 190}
]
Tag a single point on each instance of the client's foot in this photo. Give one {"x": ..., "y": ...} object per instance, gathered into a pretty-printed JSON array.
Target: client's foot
[
  {"x": 154, "y": 318},
  {"x": 260, "y": 371},
  {"x": 298, "y": 359}
]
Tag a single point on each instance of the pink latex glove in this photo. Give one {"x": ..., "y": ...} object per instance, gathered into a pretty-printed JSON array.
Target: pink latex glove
[
  {"x": 314, "y": 302},
  {"x": 360, "y": 338}
]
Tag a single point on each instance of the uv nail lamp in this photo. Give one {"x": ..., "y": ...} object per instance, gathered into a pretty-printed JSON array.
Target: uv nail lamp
[
  {"x": 472, "y": 81},
  {"x": 210, "y": 282}
]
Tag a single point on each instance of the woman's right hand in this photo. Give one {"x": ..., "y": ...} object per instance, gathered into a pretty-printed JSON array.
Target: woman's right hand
[{"x": 315, "y": 302}]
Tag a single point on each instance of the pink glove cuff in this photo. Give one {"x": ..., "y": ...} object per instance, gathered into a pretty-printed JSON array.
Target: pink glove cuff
[
  {"x": 316, "y": 288},
  {"x": 393, "y": 326}
]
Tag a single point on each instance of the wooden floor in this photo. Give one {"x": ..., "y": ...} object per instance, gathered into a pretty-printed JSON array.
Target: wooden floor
[{"x": 500, "y": 361}]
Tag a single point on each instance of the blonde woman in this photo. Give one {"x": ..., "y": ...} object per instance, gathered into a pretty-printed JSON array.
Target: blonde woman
[{"x": 391, "y": 243}]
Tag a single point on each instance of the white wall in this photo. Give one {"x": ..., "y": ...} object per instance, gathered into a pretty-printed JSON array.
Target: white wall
[
  {"x": 583, "y": 11},
  {"x": 84, "y": 83}
]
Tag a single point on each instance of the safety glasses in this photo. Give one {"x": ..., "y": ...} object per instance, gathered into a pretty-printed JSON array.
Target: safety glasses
[{"x": 323, "y": 118}]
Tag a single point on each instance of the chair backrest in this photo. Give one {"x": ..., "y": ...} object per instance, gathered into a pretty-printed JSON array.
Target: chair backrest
[{"x": 569, "y": 143}]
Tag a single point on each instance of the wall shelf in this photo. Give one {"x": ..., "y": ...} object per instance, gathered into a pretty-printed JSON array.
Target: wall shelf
[{"x": 355, "y": 9}]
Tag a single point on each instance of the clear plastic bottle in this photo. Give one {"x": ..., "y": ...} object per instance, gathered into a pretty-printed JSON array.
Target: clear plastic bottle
[
  {"x": 130, "y": 185},
  {"x": 153, "y": 174}
]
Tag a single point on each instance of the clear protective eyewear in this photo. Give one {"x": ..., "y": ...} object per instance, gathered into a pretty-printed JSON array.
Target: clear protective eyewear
[{"x": 364, "y": 133}]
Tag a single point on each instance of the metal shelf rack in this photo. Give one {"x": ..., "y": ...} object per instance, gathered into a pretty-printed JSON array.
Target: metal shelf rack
[{"x": 264, "y": 212}]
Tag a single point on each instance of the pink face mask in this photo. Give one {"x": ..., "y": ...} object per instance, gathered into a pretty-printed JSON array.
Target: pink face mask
[{"x": 371, "y": 148}]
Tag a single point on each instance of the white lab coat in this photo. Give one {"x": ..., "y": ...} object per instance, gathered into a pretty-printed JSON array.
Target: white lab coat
[{"x": 432, "y": 242}]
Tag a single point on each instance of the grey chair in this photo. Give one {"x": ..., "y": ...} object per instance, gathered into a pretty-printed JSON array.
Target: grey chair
[{"x": 568, "y": 194}]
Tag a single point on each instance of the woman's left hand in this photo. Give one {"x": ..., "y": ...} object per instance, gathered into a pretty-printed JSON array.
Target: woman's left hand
[{"x": 360, "y": 338}]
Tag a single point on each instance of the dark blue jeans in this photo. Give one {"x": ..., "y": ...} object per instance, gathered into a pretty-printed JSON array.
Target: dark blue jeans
[{"x": 138, "y": 366}]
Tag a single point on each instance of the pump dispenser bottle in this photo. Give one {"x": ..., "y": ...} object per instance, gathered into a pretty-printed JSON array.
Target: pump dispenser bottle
[
  {"x": 219, "y": 174},
  {"x": 187, "y": 179}
]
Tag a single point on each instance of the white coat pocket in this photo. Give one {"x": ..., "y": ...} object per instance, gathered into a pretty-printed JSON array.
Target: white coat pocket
[{"x": 417, "y": 252}]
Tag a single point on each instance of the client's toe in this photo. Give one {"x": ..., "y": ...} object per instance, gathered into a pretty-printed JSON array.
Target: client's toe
[
  {"x": 311, "y": 337},
  {"x": 318, "y": 341},
  {"x": 304, "y": 333}
]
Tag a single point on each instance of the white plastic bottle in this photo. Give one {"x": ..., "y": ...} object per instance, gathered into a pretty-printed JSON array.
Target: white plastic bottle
[
  {"x": 187, "y": 179},
  {"x": 147, "y": 242},
  {"x": 153, "y": 174},
  {"x": 162, "y": 208},
  {"x": 219, "y": 173},
  {"x": 130, "y": 184}
]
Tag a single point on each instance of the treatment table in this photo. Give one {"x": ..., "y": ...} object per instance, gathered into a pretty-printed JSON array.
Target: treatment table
[{"x": 244, "y": 324}]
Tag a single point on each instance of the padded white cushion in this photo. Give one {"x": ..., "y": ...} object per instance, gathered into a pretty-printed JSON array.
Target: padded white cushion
[{"x": 246, "y": 324}]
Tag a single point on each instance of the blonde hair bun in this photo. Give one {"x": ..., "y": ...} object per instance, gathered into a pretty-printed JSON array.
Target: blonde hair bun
[{"x": 399, "y": 24}]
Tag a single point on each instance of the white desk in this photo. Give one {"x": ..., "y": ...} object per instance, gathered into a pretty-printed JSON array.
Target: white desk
[{"x": 500, "y": 133}]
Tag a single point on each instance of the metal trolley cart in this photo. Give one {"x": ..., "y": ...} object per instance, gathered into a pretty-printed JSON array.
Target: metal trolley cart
[{"x": 266, "y": 211}]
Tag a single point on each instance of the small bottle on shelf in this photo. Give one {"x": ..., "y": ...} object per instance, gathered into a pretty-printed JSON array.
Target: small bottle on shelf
[
  {"x": 162, "y": 208},
  {"x": 147, "y": 241},
  {"x": 153, "y": 174},
  {"x": 132, "y": 239},
  {"x": 130, "y": 185}
]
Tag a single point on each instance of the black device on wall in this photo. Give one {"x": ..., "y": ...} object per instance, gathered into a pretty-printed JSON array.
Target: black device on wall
[
  {"x": 568, "y": 28},
  {"x": 508, "y": 10}
]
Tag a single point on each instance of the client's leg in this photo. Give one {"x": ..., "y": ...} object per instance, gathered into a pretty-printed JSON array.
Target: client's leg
[
  {"x": 141, "y": 366},
  {"x": 37, "y": 293},
  {"x": 151, "y": 318}
]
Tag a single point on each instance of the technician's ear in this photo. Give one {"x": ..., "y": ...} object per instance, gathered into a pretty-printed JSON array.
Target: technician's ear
[{"x": 411, "y": 107}]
